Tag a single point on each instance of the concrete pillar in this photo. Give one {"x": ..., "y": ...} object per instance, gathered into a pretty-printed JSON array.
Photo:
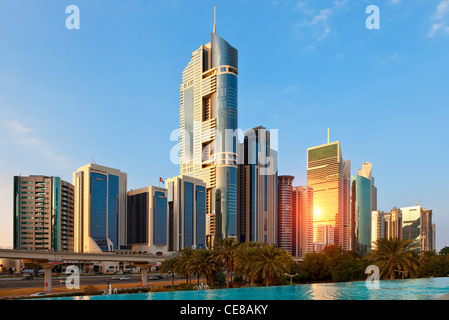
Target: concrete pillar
[
  {"x": 144, "y": 277},
  {"x": 144, "y": 271},
  {"x": 48, "y": 266},
  {"x": 48, "y": 282}
]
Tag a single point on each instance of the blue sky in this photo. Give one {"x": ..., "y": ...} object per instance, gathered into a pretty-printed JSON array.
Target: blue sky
[{"x": 110, "y": 90}]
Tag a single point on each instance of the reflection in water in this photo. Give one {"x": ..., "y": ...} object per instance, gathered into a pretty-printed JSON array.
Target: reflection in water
[
  {"x": 320, "y": 291},
  {"x": 407, "y": 289}
]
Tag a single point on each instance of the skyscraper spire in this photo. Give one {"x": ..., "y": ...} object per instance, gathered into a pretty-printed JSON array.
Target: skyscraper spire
[{"x": 215, "y": 20}]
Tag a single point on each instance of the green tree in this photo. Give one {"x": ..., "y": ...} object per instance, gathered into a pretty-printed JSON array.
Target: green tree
[
  {"x": 244, "y": 259},
  {"x": 225, "y": 250},
  {"x": 272, "y": 263},
  {"x": 168, "y": 266},
  {"x": 444, "y": 251},
  {"x": 315, "y": 266},
  {"x": 394, "y": 257},
  {"x": 346, "y": 267},
  {"x": 432, "y": 264},
  {"x": 184, "y": 262},
  {"x": 204, "y": 263}
]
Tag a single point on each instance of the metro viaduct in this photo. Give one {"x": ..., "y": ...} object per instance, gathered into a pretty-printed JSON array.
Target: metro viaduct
[{"x": 48, "y": 260}]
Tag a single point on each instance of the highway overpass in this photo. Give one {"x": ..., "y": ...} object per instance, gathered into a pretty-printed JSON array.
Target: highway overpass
[{"x": 48, "y": 260}]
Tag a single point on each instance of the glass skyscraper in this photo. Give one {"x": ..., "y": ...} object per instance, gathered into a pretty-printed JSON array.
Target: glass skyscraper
[
  {"x": 100, "y": 209},
  {"x": 187, "y": 212},
  {"x": 361, "y": 203},
  {"x": 417, "y": 226},
  {"x": 257, "y": 188},
  {"x": 208, "y": 123},
  {"x": 148, "y": 220},
  {"x": 329, "y": 176}
]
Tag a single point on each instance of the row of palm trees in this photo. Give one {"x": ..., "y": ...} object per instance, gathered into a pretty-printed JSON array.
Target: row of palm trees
[
  {"x": 252, "y": 261},
  {"x": 267, "y": 264}
]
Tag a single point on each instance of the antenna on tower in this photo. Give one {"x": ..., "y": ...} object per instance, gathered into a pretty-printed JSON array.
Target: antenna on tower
[{"x": 215, "y": 20}]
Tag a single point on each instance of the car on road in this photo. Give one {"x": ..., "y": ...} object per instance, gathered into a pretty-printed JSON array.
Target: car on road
[
  {"x": 124, "y": 278},
  {"x": 28, "y": 277},
  {"x": 116, "y": 278},
  {"x": 38, "y": 294},
  {"x": 155, "y": 277}
]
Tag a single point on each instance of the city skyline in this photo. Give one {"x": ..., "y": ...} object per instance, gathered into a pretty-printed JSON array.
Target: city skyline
[{"x": 258, "y": 99}]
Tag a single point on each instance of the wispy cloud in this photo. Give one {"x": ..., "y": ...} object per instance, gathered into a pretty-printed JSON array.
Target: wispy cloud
[
  {"x": 316, "y": 20},
  {"x": 19, "y": 134},
  {"x": 440, "y": 20}
]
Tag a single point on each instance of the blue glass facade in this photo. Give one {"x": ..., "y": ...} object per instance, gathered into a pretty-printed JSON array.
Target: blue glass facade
[
  {"x": 200, "y": 216},
  {"x": 137, "y": 218},
  {"x": 361, "y": 214},
  {"x": 113, "y": 189},
  {"x": 160, "y": 219},
  {"x": 56, "y": 214},
  {"x": 227, "y": 119},
  {"x": 98, "y": 198},
  {"x": 188, "y": 214}
]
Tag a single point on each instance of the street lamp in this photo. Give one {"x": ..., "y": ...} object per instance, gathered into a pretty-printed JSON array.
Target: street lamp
[{"x": 291, "y": 277}]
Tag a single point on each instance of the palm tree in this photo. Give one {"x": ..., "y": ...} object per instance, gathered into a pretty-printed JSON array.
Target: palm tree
[
  {"x": 393, "y": 256},
  {"x": 184, "y": 262},
  {"x": 272, "y": 263},
  {"x": 204, "y": 263},
  {"x": 244, "y": 260},
  {"x": 225, "y": 252},
  {"x": 169, "y": 267}
]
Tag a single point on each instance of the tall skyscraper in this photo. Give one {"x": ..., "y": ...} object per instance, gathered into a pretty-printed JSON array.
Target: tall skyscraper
[
  {"x": 377, "y": 227},
  {"x": 147, "y": 220},
  {"x": 393, "y": 223},
  {"x": 285, "y": 193},
  {"x": 208, "y": 123},
  {"x": 187, "y": 212},
  {"x": 361, "y": 195},
  {"x": 100, "y": 208},
  {"x": 417, "y": 226},
  {"x": 302, "y": 221},
  {"x": 366, "y": 172},
  {"x": 329, "y": 176},
  {"x": 257, "y": 188},
  {"x": 323, "y": 235},
  {"x": 43, "y": 213}
]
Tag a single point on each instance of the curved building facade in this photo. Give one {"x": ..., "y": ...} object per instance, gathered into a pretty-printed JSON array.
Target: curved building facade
[
  {"x": 361, "y": 214},
  {"x": 285, "y": 207},
  {"x": 208, "y": 123}
]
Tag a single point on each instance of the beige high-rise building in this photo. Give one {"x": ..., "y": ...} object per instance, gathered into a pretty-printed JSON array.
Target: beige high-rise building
[
  {"x": 377, "y": 227},
  {"x": 43, "y": 213},
  {"x": 302, "y": 221},
  {"x": 323, "y": 234},
  {"x": 100, "y": 209},
  {"x": 329, "y": 176},
  {"x": 148, "y": 222},
  {"x": 417, "y": 226},
  {"x": 393, "y": 223}
]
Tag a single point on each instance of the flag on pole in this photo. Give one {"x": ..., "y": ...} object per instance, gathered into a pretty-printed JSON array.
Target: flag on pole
[{"x": 161, "y": 180}]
